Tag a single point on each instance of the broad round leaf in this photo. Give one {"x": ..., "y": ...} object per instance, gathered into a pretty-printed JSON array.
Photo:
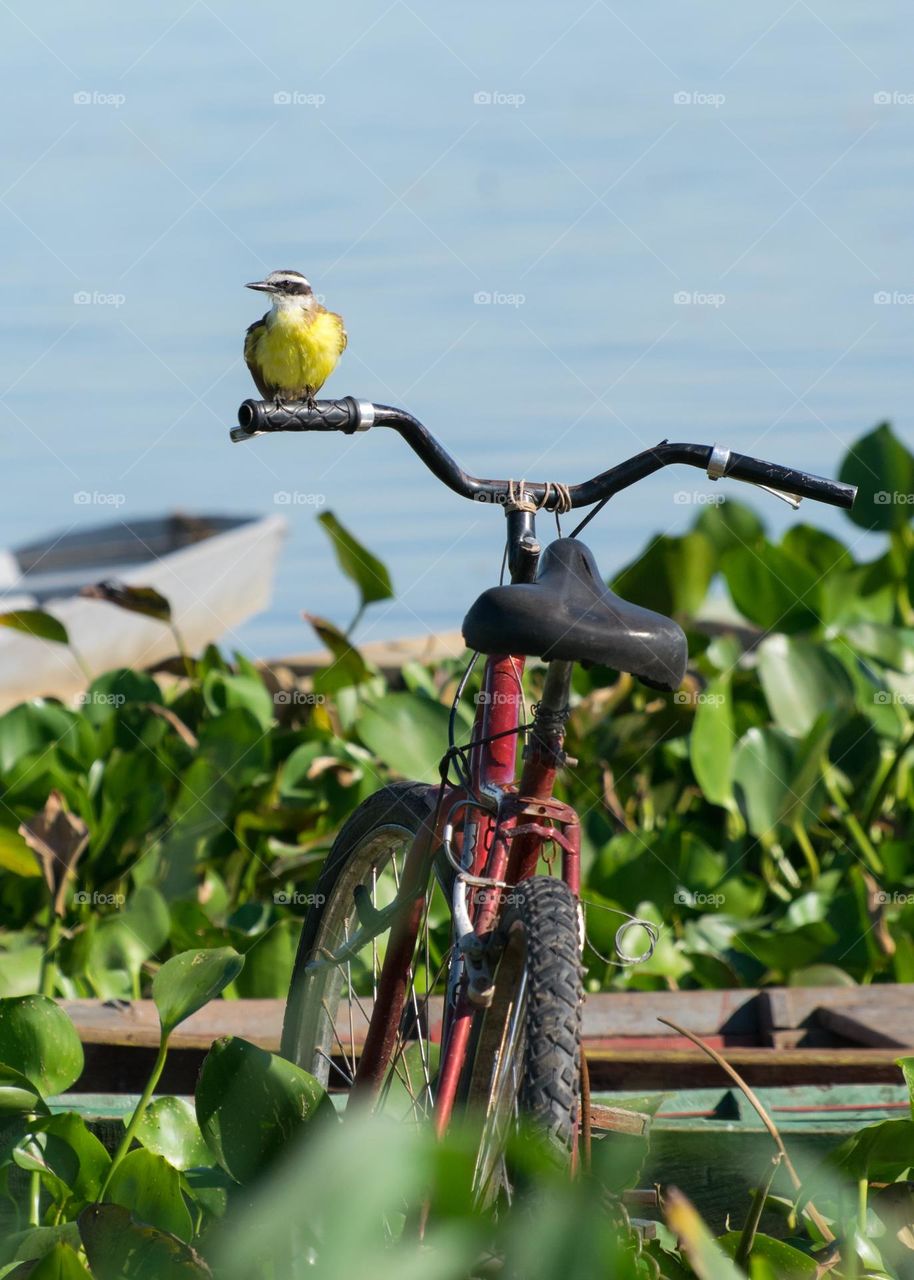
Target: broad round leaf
[
  {"x": 39, "y": 1040},
  {"x": 407, "y": 732},
  {"x": 771, "y": 587},
  {"x": 712, "y": 741},
  {"x": 801, "y": 681},
  {"x": 169, "y": 1128},
  {"x": 190, "y": 980},
  {"x": 32, "y": 727},
  {"x": 251, "y": 1103},
  {"x": 729, "y": 524},
  {"x": 672, "y": 575},
  {"x": 150, "y": 1188},
  {"x": 892, "y": 646},
  {"x": 119, "y": 1248},
  {"x": 18, "y": 1096},
  {"x": 226, "y": 693},
  {"x": 59, "y": 1263},
  {"x": 880, "y": 1152},
  {"x": 54, "y": 1159},
  {"x": 820, "y": 550},
  {"x": 883, "y": 469},
  {"x": 33, "y": 1243},
  {"x": 762, "y": 774},
  {"x": 821, "y": 975},
  {"x": 111, "y": 691},
  {"x": 93, "y": 1161},
  {"x": 20, "y": 970}
]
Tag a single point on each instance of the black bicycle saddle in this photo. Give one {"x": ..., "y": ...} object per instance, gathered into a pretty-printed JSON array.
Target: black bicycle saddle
[{"x": 569, "y": 612}]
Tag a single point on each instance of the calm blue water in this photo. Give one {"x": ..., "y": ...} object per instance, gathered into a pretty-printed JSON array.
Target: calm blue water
[{"x": 584, "y": 186}]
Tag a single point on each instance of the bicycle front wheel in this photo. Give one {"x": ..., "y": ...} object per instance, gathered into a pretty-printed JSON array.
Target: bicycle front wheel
[
  {"x": 329, "y": 1004},
  {"x": 524, "y": 1063}
]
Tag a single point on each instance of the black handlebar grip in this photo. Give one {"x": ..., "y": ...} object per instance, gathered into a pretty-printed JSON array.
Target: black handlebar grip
[
  {"x": 324, "y": 415},
  {"x": 800, "y": 483}
]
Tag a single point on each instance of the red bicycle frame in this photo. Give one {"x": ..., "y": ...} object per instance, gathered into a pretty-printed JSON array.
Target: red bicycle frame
[{"x": 506, "y": 823}]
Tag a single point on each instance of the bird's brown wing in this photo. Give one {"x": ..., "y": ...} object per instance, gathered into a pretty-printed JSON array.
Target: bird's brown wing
[{"x": 250, "y": 343}]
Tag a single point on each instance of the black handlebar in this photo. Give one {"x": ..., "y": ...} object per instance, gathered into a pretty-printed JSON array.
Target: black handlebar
[{"x": 349, "y": 415}]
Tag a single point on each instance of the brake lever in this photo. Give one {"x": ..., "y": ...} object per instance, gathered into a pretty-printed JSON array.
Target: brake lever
[
  {"x": 238, "y": 435},
  {"x": 717, "y": 468}
]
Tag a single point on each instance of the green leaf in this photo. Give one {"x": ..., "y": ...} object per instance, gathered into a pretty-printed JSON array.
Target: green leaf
[
  {"x": 892, "y": 646},
  {"x": 33, "y": 1243},
  {"x": 143, "y": 600},
  {"x": 169, "y": 1128},
  {"x": 115, "y": 957},
  {"x": 802, "y": 803},
  {"x": 18, "y": 1096},
  {"x": 33, "y": 727},
  {"x": 147, "y": 915},
  {"x": 268, "y": 961},
  {"x": 712, "y": 741},
  {"x": 762, "y": 776},
  {"x": 357, "y": 562},
  {"x": 226, "y": 692},
  {"x": 16, "y": 856},
  {"x": 92, "y": 1160},
  {"x": 730, "y": 524},
  {"x": 251, "y": 1104},
  {"x": 235, "y": 744},
  {"x": 348, "y": 668},
  {"x": 771, "y": 588},
  {"x": 150, "y": 1188},
  {"x": 883, "y": 469},
  {"x": 36, "y": 622},
  {"x": 855, "y": 750},
  {"x": 59, "y": 1263},
  {"x": 20, "y": 970},
  {"x": 39, "y": 1040},
  {"x": 821, "y": 975},
  {"x": 188, "y": 981},
  {"x": 672, "y": 575},
  {"x": 118, "y": 1248},
  {"x": 115, "y": 689},
  {"x": 786, "y": 1262},
  {"x": 44, "y": 1153},
  {"x": 818, "y": 549},
  {"x": 881, "y": 1152},
  {"x": 407, "y": 732},
  {"x": 801, "y": 681}
]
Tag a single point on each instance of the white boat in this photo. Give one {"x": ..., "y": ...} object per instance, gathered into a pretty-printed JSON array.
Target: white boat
[{"x": 215, "y": 571}]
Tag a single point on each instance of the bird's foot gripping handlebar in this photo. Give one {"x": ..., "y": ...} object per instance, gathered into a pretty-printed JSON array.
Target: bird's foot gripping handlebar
[{"x": 258, "y": 417}]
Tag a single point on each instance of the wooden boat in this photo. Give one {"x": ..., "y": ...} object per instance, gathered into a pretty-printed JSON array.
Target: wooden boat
[{"x": 215, "y": 571}]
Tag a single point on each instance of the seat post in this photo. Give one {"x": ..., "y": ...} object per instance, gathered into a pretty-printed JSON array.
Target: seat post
[
  {"x": 551, "y": 714},
  {"x": 523, "y": 546}
]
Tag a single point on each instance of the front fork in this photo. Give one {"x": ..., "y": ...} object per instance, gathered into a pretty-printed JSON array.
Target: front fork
[{"x": 501, "y": 850}]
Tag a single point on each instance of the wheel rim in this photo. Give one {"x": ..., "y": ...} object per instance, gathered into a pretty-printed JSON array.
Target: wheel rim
[
  {"x": 332, "y": 1004},
  {"x": 497, "y": 1072}
]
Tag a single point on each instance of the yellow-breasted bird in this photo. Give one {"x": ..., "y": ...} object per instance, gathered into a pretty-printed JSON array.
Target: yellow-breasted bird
[{"x": 294, "y": 348}]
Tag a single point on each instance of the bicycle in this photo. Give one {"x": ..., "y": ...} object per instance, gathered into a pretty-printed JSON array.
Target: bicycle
[{"x": 504, "y": 1039}]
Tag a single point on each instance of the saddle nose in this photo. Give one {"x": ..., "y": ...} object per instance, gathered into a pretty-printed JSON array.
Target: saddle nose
[{"x": 569, "y": 612}]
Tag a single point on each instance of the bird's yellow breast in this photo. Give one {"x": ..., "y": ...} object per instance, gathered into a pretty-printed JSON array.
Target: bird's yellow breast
[{"x": 296, "y": 352}]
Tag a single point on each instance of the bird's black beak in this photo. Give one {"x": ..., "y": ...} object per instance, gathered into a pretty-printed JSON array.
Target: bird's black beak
[{"x": 261, "y": 285}]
